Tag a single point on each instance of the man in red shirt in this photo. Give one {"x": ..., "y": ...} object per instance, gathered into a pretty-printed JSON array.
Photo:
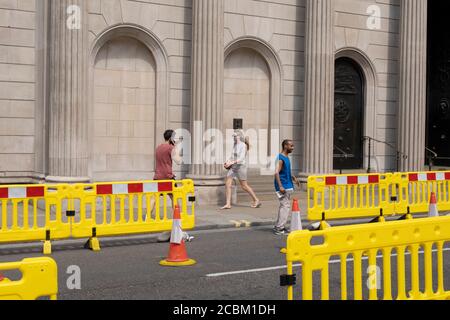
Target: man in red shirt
[{"x": 166, "y": 154}]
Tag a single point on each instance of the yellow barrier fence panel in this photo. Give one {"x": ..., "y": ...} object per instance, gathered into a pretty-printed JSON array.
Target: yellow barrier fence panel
[
  {"x": 39, "y": 279},
  {"x": 416, "y": 187},
  {"x": 32, "y": 213},
  {"x": 123, "y": 208},
  {"x": 350, "y": 196},
  {"x": 393, "y": 260}
]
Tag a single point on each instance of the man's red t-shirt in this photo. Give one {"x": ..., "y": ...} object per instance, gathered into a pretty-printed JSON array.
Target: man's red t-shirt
[{"x": 164, "y": 162}]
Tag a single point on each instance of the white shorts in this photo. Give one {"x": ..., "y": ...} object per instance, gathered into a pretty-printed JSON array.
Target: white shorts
[{"x": 238, "y": 173}]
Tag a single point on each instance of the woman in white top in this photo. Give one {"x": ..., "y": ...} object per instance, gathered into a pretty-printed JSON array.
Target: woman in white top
[{"x": 237, "y": 169}]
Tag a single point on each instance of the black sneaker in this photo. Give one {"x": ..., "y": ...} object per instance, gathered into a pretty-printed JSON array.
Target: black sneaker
[{"x": 280, "y": 232}]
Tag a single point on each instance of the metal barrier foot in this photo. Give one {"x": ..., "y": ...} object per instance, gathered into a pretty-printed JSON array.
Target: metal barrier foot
[
  {"x": 47, "y": 247},
  {"x": 93, "y": 244}
]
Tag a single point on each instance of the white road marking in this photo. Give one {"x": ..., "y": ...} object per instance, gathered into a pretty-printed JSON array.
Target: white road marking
[
  {"x": 214, "y": 275},
  {"x": 244, "y": 271}
]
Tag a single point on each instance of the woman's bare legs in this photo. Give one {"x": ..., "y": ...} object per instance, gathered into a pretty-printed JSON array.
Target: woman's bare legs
[
  {"x": 228, "y": 186},
  {"x": 249, "y": 190}
]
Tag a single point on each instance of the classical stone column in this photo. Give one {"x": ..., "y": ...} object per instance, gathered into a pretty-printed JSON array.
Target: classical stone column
[
  {"x": 68, "y": 128},
  {"x": 207, "y": 93},
  {"x": 413, "y": 84},
  {"x": 319, "y": 88}
]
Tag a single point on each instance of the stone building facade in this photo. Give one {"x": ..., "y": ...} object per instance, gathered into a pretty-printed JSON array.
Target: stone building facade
[{"x": 88, "y": 87}]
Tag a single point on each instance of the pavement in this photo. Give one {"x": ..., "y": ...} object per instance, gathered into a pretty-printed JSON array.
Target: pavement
[{"x": 242, "y": 214}]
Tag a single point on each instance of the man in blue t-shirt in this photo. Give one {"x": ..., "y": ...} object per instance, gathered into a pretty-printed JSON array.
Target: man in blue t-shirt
[{"x": 284, "y": 186}]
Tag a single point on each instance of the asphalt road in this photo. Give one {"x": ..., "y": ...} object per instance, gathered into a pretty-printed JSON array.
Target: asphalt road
[
  {"x": 131, "y": 270},
  {"x": 235, "y": 264}
]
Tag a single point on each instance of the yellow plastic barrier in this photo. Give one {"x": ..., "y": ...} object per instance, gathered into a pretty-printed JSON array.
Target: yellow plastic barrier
[
  {"x": 416, "y": 187},
  {"x": 399, "y": 241},
  {"x": 39, "y": 279},
  {"x": 351, "y": 196},
  {"x": 45, "y": 213},
  {"x": 131, "y": 208},
  {"x": 32, "y": 213}
]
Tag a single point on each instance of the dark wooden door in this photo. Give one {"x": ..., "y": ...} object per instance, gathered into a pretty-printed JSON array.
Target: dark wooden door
[
  {"x": 348, "y": 115},
  {"x": 438, "y": 110}
]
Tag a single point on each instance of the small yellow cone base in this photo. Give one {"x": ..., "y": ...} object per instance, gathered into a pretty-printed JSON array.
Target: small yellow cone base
[{"x": 189, "y": 262}]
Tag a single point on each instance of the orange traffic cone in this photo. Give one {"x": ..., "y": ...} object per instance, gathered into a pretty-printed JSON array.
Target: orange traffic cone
[
  {"x": 296, "y": 220},
  {"x": 1, "y": 277},
  {"x": 433, "y": 210},
  {"x": 177, "y": 251}
]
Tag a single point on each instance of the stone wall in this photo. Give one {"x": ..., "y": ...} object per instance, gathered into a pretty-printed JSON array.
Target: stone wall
[
  {"x": 124, "y": 109},
  {"x": 17, "y": 89}
]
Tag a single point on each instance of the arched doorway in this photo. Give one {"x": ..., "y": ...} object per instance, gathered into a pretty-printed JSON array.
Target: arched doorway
[
  {"x": 264, "y": 73},
  {"x": 123, "y": 117},
  {"x": 247, "y": 97},
  {"x": 348, "y": 115}
]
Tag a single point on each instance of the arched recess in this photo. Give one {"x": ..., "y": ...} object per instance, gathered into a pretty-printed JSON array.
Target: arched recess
[
  {"x": 370, "y": 96},
  {"x": 160, "y": 60},
  {"x": 272, "y": 61}
]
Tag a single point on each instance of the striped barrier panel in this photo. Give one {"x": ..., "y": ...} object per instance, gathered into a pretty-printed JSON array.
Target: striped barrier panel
[
  {"x": 350, "y": 196},
  {"x": 416, "y": 188},
  {"x": 39, "y": 279},
  {"x": 363, "y": 255}
]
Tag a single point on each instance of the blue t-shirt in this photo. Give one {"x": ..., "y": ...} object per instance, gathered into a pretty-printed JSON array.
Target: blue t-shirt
[{"x": 285, "y": 173}]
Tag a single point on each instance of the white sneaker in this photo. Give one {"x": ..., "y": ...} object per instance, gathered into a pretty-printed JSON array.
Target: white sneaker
[{"x": 187, "y": 237}]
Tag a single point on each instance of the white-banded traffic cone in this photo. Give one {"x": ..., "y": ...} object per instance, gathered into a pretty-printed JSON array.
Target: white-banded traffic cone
[
  {"x": 296, "y": 220},
  {"x": 433, "y": 210},
  {"x": 177, "y": 251}
]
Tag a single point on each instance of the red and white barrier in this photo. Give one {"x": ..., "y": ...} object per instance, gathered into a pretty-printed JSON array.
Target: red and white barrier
[
  {"x": 351, "y": 180},
  {"x": 22, "y": 193},
  {"x": 425, "y": 177},
  {"x": 130, "y": 188}
]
